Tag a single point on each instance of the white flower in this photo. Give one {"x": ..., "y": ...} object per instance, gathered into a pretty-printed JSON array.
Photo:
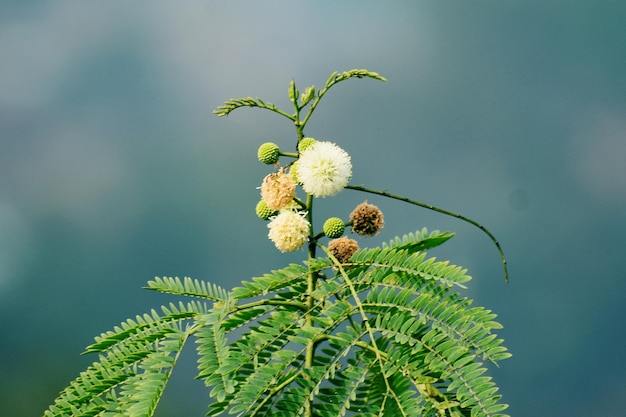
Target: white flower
[
  {"x": 289, "y": 231},
  {"x": 324, "y": 169}
]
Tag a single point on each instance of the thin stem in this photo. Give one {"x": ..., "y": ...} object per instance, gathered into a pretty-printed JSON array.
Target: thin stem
[
  {"x": 289, "y": 154},
  {"x": 313, "y": 106},
  {"x": 270, "y": 302},
  {"x": 358, "y": 343},
  {"x": 331, "y": 81},
  {"x": 442, "y": 211},
  {"x": 279, "y": 111},
  {"x": 272, "y": 392},
  {"x": 311, "y": 283},
  {"x": 310, "y": 301}
]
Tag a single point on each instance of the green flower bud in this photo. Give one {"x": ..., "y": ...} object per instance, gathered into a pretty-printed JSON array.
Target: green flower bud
[
  {"x": 268, "y": 153},
  {"x": 308, "y": 95},
  {"x": 263, "y": 210},
  {"x": 293, "y": 92},
  {"x": 334, "y": 227},
  {"x": 305, "y": 143},
  {"x": 293, "y": 171}
]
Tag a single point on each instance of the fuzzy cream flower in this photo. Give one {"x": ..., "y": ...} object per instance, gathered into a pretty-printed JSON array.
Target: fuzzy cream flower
[
  {"x": 278, "y": 189},
  {"x": 289, "y": 231},
  {"x": 324, "y": 169}
]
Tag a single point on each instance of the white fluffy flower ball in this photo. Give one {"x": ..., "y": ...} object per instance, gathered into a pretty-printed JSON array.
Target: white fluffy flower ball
[
  {"x": 324, "y": 169},
  {"x": 289, "y": 231}
]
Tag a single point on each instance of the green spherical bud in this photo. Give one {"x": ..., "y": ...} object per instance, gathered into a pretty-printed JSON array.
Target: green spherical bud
[
  {"x": 334, "y": 227},
  {"x": 305, "y": 143},
  {"x": 263, "y": 210},
  {"x": 293, "y": 171},
  {"x": 268, "y": 153}
]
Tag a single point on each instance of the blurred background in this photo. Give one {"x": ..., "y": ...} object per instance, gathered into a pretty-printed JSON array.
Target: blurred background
[{"x": 113, "y": 169}]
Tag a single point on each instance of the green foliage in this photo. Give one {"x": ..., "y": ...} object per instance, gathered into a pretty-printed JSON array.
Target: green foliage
[
  {"x": 391, "y": 337},
  {"x": 135, "y": 362},
  {"x": 309, "y": 97},
  {"x": 383, "y": 331}
]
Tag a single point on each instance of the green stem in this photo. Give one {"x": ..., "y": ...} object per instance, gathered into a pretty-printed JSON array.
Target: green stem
[
  {"x": 331, "y": 81},
  {"x": 442, "y": 211},
  {"x": 279, "y": 111},
  {"x": 264, "y": 302},
  {"x": 358, "y": 343},
  {"x": 272, "y": 392},
  {"x": 289, "y": 154},
  {"x": 316, "y": 102},
  {"x": 312, "y": 282},
  {"x": 312, "y": 276}
]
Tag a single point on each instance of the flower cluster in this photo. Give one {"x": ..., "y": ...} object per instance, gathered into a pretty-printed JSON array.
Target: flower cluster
[{"x": 322, "y": 169}]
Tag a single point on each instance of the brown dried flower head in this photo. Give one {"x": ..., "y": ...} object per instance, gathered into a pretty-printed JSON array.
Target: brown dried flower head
[
  {"x": 278, "y": 190},
  {"x": 367, "y": 219},
  {"x": 343, "y": 248}
]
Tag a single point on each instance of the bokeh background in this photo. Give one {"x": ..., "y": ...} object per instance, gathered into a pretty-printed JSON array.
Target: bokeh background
[{"x": 113, "y": 169}]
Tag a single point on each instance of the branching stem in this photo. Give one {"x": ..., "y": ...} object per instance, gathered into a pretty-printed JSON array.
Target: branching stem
[{"x": 442, "y": 211}]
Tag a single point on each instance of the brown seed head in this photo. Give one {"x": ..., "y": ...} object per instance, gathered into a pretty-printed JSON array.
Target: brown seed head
[
  {"x": 343, "y": 248},
  {"x": 367, "y": 219}
]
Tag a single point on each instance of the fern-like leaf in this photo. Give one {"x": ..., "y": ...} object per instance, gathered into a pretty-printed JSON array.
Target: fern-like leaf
[
  {"x": 140, "y": 395},
  {"x": 337, "y": 77},
  {"x": 280, "y": 279},
  {"x": 129, "y": 358},
  {"x": 146, "y": 328},
  {"x": 419, "y": 241},
  {"x": 389, "y": 333},
  {"x": 188, "y": 287},
  {"x": 235, "y": 103}
]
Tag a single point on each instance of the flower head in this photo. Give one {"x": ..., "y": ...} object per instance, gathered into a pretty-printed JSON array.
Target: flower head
[
  {"x": 293, "y": 171},
  {"x": 367, "y": 219},
  {"x": 324, "y": 169},
  {"x": 278, "y": 189},
  {"x": 333, "y": 227},
  {"x": 343, "y": 248},
  {"x": 289, "y": 231},
  {"x": 263, "y": 211},
  {"x": 305, "y": 143},
  {"x": 268, "y": 153}
]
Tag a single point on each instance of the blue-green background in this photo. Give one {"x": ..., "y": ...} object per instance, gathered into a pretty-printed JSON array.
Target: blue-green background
[{"x": 113, "y": 169}]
